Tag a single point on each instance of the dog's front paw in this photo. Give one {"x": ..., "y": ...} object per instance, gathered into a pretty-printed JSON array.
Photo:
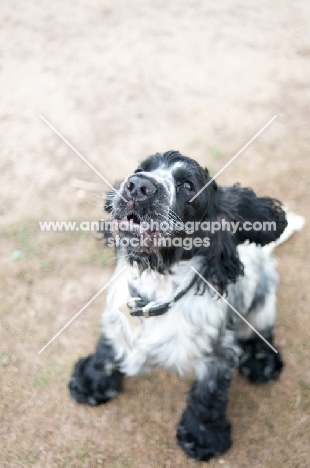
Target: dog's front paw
[
  {"x": 201, "y": 440},
  {"x": 93, "y": 382},
  {"x": 261, "y": 366}
]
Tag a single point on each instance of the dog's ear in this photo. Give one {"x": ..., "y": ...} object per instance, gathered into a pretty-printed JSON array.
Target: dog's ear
[
  {"x": 261, "y": 219},
  {"x": 221, "y": 265}
]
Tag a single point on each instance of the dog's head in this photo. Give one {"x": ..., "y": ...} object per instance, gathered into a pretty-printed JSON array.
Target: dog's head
[{"x": 154, "y": 203}]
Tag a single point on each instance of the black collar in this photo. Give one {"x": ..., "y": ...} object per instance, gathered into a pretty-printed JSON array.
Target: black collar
[{"x": 147, "y": 308}]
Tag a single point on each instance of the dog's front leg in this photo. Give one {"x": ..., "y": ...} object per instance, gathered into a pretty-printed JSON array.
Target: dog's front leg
[
  {"x": 204, "y": 431},
  {"x": 96, "y": 378}
]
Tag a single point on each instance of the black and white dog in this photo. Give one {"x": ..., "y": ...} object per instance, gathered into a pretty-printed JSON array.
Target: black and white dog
[{"x": 161, "y": 309}]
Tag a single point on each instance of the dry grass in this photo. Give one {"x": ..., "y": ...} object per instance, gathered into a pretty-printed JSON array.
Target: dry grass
[
  {"x": 42, "y": 426},
  {"x": 121, "y": 81}
]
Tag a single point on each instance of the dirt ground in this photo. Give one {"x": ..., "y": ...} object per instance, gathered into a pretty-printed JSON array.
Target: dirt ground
[{"x": 122, "y": 80}]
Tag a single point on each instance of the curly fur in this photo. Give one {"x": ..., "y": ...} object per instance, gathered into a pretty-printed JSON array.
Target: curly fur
[{"x": 198, "y": 333}]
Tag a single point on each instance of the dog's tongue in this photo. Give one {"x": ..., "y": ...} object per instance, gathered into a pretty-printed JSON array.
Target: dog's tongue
[{"x": 156, "y": 234}]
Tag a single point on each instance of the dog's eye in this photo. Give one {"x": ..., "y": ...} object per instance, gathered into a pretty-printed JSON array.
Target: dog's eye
[{"x": 189, "y": 186}]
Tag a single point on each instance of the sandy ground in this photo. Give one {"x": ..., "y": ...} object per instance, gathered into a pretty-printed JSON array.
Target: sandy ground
[{"x": 122, "y": 80}]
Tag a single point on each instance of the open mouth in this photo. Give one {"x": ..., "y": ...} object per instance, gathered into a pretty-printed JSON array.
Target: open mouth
[
  {"x": 133, "y": 225},
  {"x": 134, "y": 218}
]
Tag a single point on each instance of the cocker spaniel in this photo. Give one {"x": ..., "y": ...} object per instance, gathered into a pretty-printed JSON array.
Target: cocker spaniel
[{"x": 180, "y": 279}]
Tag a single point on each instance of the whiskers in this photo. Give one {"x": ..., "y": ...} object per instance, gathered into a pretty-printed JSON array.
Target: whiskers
[
  {"x": 173, "y": 220},
  {"x": 95, "y": 201}
]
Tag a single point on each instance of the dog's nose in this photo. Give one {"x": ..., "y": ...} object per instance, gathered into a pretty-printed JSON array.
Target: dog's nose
[{"x": 139, "y": 188}]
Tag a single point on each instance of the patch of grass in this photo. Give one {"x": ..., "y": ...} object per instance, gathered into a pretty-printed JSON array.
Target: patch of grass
[
  {"x": 50, "y": 314},
  {"x": 239, "y": 398},
  {"x": 305, "y": 393},
  {"x": 44, "y": 376},
  {"x": 14, "y": 330},
  {"x": 27, "y": 459},
  {"x": 24, "y": 236},
  {"x": 80, "y": 450},
  {"x": 280, "y": 312},
  {"x": 216, "y": 153},
  {"x": 66, "y": 237},
  {"x": 299, "y": 354},
  {"x": 29, "y": 241},
  {"x": 4, "y": 357},
  {"x": 253, "y": 441},
  {"x": 123, "y": 462},
  {"x": 195, "y": 143},
  {"x": 103, "y": 256},
  {"x": 45, "y": 264},
  {"x": 161, "y": 463},
  {"x": 51, "y": 265},
  {"x": 97, "y": 326},
  {"x": 5, "y": 308},
  {"x": 269, "y": 422},
  {"x": 61, "y": 460}
]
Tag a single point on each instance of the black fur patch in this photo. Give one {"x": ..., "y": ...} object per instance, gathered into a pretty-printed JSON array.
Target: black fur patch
[
  {"x": 222, "y": 265},
  {"x": 204, "y": 431},
  {"x": 203, "y": 441},
  {"x": 253, "y": 209},
  {"x": 259, "y": 363},
  {"x": 95, "y": 379}
]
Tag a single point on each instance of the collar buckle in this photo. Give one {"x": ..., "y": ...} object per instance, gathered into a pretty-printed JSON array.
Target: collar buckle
[
  {"x": 146, "y": 309},
  {"x": 131, "y": 303}
]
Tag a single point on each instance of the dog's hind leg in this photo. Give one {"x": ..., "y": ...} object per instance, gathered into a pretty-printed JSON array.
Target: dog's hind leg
[
  {"x": 204, "y": 431},
  {"x": 260, "y": 362},
  {"x": 95, "y": 378}
]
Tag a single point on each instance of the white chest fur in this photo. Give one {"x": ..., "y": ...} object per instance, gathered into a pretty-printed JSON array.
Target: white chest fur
[
  {"x": 176, "y": 339},
  {"x": 193, "y": 325}
]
